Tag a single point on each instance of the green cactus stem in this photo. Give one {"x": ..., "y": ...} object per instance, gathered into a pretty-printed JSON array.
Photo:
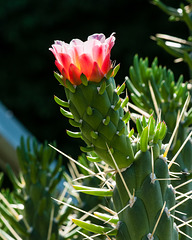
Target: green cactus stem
[
  {"x": 145, "y": 214},
  {"x": 97, "y": 110}
]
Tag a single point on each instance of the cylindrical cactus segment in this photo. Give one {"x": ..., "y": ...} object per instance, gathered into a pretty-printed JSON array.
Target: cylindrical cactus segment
[
  {"x": 96, "y": 109},
  {"x": 152, "y": 200},
  {"x": 144, "y": 214}
]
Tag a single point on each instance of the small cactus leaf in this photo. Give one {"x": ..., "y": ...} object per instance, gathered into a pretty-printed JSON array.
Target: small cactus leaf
[
  {"x": 59, "y": 78},
  {"x": 1, "y": 178},
  {"x": 126, "y": 117},
  {"x": 125, "y": 102},
  {"x": 61, "y": 102},
  {"x": 102, "y": 88},
  {"x": 109, "y": 74},
  {"x": 118, "y": 105},
  {"x": 131, "y": 87},
  {"x": 115, "y": 70},
  {"x": 106, "y": 120},
  {"x": 84, "y": 79},
  {"x": 95, "y": 228},
  {"x": 13, "y": 178},
  {"x": 74, "y": 134},
  {"x": 87, "y": 149},
  {"x": 89, "y": 111},
  {"x": 74, "y": 123},
  {"x": 70, "y": 86},
  {"x": 162, "y": 130},
  {"x": 120, "y": 89},
  {"x": 144, "y": 139},
  {"x": 94, "y": 159},
  {"x": 139, "y": 126},
  {"x": 107, "y": 217},
  {"x": 66, "y": 113},
  {"x": 131, "y": 133},
  {"x": 101, "y": 192},
  {"x": 151, "y": 124}
]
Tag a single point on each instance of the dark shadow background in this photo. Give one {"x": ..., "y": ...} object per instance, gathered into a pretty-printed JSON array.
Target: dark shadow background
[{"x": 29, "y": 27}]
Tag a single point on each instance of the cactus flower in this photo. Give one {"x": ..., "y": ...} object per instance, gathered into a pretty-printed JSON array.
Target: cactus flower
[{"x": 92, "y": 58}]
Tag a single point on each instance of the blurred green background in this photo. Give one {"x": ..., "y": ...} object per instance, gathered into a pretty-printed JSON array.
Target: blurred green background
[{"x": 29, "y": 27}]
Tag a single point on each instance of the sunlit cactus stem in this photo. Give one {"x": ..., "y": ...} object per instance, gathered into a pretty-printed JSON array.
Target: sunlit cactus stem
[{"x": 143, "y": 196}]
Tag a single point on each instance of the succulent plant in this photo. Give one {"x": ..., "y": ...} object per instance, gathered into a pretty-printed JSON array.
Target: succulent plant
[{"x": 37, "y": 215}]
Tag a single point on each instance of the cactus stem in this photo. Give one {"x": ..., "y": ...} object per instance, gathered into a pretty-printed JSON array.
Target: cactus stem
[
  {"x": 121, "y": 176},
  {"x": 157, "y": 222}
]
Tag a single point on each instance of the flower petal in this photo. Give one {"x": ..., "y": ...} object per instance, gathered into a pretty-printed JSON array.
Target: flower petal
[
  {"x": 110, "y": 41},
  {"x": 59, "y": 66},
  {"x": 106, "y": 64},
  {"x": 74, "y": 75},
  {"x": 100, "y": 37},
  {"x": 96, "y": 74},
  {"x": 86, "y": 65},
  {"x": 98, "y": 54},
  {"x": 65, "y": 60}
]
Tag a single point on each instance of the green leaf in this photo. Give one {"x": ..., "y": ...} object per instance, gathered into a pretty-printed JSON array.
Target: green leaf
[
  {"x": 107, "y": 217},
  {"x": 74, "y": 134},
  {"x": 95, "y": 228},
  {"x": 115, "y": 70},
  {"x": 66, "y": 113},
  {"x": 59, "y": 78},
  {"x": 61, "y": 102},
  {"x": 144, "y": 139},
  {"x": 101, "y": 192}
]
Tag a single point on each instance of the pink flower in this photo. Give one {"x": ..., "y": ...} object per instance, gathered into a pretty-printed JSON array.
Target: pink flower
[{"x": 92, "y": 58}]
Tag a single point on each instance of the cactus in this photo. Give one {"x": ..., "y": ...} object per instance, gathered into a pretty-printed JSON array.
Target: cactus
[
  {"x": 169, "y": 98},
  {"x": 40, "y": 217},
  {"x": 143, "y": 197},
  {"x": 96, "y": 108}
]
